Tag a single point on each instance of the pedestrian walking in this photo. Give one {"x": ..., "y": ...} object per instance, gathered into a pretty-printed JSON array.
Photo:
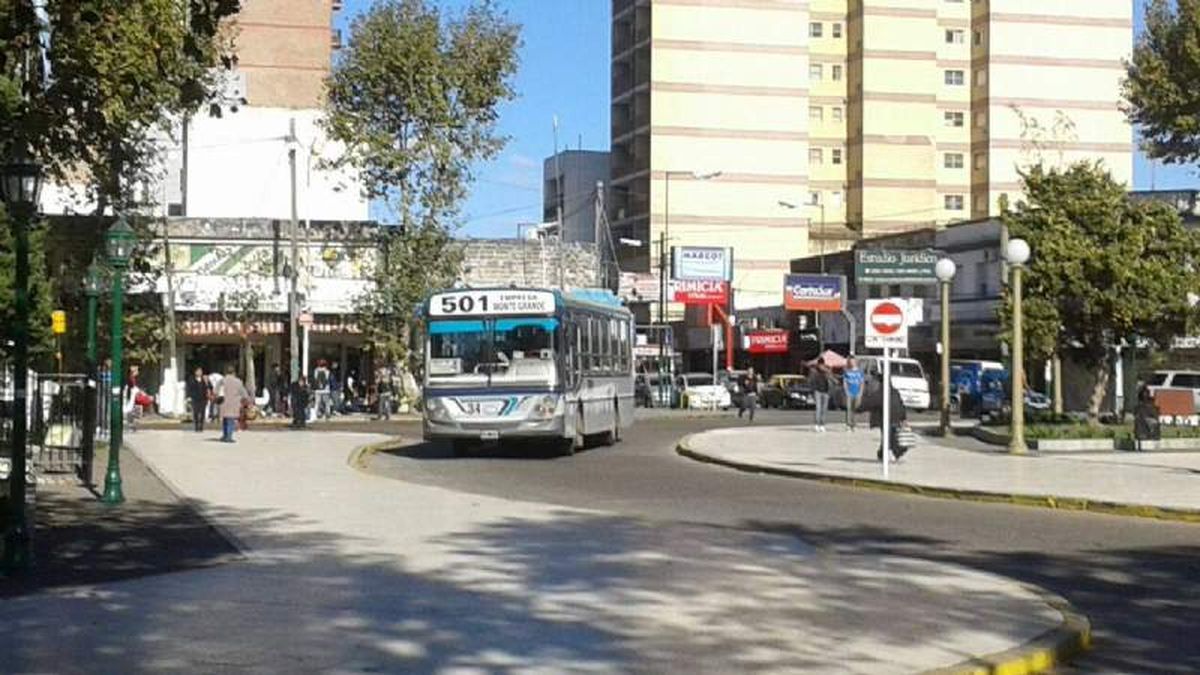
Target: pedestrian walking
[
  {"x": 852, "y": 387},
  {"x": 298, "y": 397},
  {"x": 199, "y": 392},
  {"x": 383, "y": 389},
  {"x": 279, "y": 386},
  {"x": 233, "y": 396},
  {"x": 336, "y": 383},
  {"x": 818, "y": 379},
  {"x": 749, "y": 394},
  {"x": 214, "y": 382},
  {"x": 1146, "y": 425},
  {"x": 321, "y": 389},
  {"x": 897, "y": 416}
]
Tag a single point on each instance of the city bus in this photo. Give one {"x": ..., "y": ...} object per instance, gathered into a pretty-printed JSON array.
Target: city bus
[{"x": 518, "y": 363}]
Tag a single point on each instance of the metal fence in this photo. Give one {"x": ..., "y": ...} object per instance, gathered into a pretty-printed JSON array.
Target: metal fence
[{"x": 60, "y": 427}]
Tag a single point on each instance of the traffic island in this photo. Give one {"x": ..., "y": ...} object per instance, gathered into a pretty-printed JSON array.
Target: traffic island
[{"x": 1160, "y": 485}]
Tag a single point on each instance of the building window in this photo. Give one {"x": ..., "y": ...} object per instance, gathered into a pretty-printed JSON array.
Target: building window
[
  {"x": 953, "y": 119},
  {"x": 814, "y": 29},
  {"x": 837, "y": 30},
  {"x": 981, "y": 120},
  {"x": 980, "y": 160},
  {"x": 978, "y": 37},
  {"x": 816, "y": 156},
  {"x": 955, "y": 36},
  {"x": 954, "y": 77},
  {"x": 835, "y": 198},
  {"x": 953, "y": 202},
  {"x": 836, "y": 73},
  {"x": 815, "y": 72},
  {"x": 835, "y": 156},
  {"x": 953, "y": 160},
  {"x": 836, "y": 113},
  {"x": 980, "y": 77},
  {"x": 815, "y": 113},
  {"x": 814, "y": 198}
]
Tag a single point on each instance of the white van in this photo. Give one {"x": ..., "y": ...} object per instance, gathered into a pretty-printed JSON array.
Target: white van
[{"x": 907, "y": 376}]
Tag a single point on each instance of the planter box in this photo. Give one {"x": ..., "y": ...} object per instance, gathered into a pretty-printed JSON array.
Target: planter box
[{"x": 1167, "y": 444}]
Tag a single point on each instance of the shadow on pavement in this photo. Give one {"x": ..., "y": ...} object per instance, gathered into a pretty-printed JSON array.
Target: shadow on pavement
[
  {"x": 1148, "y": 596},
  {"x": 568, "y": 591}
]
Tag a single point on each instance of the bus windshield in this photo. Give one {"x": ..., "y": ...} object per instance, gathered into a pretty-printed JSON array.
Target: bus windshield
[{"x": 492, "y": 352}]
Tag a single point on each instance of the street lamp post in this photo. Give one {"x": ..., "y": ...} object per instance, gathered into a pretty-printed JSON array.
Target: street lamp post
[
  {"x": 662, "y": 270},
  {"x": 119, "y": 241},
  {"x": 944, "y": 270},
  {"x": 91, "y": 289},
  {"x": 1017, "y": 254},
  {"x": 20, "y": 188}
]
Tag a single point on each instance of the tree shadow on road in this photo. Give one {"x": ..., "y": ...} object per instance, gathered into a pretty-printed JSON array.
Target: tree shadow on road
[{"x": 1144, "y": 602}]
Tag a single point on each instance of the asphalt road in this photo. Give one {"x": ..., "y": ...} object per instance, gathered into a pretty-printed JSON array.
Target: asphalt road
[{"x": 1136, "y": 579}]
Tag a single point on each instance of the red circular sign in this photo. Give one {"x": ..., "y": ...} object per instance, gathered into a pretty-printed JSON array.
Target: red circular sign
[{"x": 887, "y": 318}]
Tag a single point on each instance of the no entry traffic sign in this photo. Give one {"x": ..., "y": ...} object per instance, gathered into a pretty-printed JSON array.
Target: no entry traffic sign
[{"x": 887, "y": 324}]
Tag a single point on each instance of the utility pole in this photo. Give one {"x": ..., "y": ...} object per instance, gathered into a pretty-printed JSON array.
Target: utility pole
[
  {"x": 600, "y": 267},
  {"x": 172, "y": 363},
  {"x": 558, "y": 203},
  {"x": 293, "y": 294}
]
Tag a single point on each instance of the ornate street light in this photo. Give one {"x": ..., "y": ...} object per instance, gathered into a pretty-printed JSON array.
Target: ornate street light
[
  {"x": 944, "y": 271},
  {"x": 119, "y": 243},
  {"x": 1017, "y": 254},
  {"x": 93, "y": 282},
  {"x": 20, "y": 189}
]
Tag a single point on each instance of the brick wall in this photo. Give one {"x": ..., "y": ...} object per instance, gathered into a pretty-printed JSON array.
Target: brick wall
[{"x": 507, "y": 262}]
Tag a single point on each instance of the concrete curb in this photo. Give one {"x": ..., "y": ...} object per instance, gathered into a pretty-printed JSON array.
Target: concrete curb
[
  {"x": 1053, "y": 648},
  {"x": 1044, "y": 501},
  {"x": 243, "y": 550}
]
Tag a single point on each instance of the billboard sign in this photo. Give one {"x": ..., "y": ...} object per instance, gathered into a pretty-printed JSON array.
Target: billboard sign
[
  {"x": 887, "y": 324},
  {"x": 767, "y": 342},
  {"x": 813, "y": 292},
  {"x": 700, "y": 291},
  {"x": 887, "y": 266},
  {"x": 701, "y": 262}
]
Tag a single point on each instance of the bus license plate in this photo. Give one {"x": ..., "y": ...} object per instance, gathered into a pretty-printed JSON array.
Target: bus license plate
[{"x": 489, "y": 435}]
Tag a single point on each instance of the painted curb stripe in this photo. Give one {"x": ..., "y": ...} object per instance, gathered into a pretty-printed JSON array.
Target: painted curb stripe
[{"x": 1043, "y": 501}]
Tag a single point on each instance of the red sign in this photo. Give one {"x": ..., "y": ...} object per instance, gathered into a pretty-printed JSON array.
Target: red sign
[
  {"x": 699, "y": 291},
  {"x": 767, "y": 342},
  {"x": 887, "y": 318}
]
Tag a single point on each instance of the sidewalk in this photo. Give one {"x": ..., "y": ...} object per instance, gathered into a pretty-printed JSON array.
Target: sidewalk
[
  {"x": 348, "y": 572},
  {"x": 1160, "y": 484}
]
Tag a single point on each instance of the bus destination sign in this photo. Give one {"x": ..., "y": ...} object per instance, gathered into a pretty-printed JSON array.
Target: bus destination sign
[{"x": 491, "y": 303}]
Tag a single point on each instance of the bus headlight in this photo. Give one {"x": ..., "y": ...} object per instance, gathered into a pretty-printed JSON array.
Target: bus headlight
[
  {"x": 545, "y": 407},
  {"x": 436, "y": 410}
]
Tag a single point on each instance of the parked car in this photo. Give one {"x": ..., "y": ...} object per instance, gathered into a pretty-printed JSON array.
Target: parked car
[
  {"x": 907, "y": 376},
  {"x": 787, "y": 391},
  {"x": 698, "y": 391},
  {"x": 1176, "y": 379},
  {"x": 996, "y": 395}
]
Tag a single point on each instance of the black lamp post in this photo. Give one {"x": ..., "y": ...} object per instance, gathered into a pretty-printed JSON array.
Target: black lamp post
[
  {"x": 119, "y": 241},
  {"x": 20, "y": 187}
]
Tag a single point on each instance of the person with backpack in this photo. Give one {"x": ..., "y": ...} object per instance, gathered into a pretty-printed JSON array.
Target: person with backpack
[{"x": 897, "y": 417}]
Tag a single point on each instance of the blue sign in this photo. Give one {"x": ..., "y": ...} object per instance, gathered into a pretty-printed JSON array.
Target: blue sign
[{"x": 813, "y": 292}]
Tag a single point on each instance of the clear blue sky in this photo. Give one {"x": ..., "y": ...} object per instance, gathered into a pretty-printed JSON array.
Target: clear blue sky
[{"x": 564, "y": 71}]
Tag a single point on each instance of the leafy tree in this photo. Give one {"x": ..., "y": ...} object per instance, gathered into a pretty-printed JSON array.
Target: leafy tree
[
  {"x": 40, "y": 297},
  {"x": 414, "y": 98},
  {"x": 1104, "y": 269},
  {"x": 113, "y": 74},
  {"x": 1160, "y": 86}
]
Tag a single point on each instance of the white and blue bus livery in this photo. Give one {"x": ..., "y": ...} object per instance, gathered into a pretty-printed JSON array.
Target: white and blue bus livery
[{"x": 516, "y": 363}]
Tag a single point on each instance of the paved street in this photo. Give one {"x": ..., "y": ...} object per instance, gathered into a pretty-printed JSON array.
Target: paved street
[
  {"x": 1135, "y": 578},
  {"x": 347, "y": 572}
]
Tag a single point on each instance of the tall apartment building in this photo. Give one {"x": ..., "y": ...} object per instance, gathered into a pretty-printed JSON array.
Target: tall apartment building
[{"x": 829, "y": 120}]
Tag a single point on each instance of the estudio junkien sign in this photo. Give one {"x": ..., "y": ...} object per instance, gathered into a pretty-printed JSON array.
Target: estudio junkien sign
[{"x": 892, "y": 266}]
